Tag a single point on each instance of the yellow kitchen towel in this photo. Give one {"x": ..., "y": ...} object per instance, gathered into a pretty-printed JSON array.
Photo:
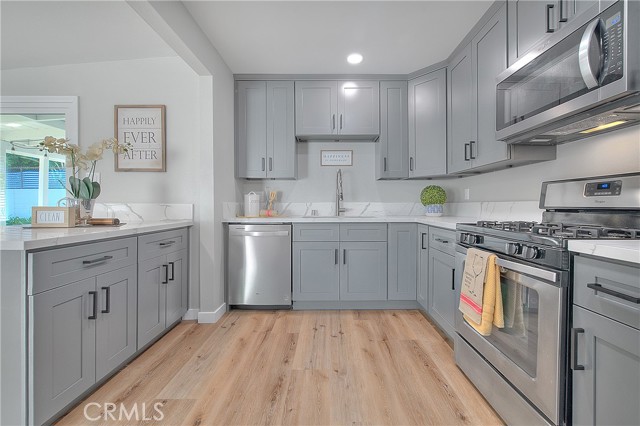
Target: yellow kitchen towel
[{"x": 492, "y": 313}]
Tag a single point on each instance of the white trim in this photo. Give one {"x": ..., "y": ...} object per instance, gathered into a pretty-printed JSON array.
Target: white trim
[
  {"x": 191, "y": 314},
  {"x": 212, "y": 317}
]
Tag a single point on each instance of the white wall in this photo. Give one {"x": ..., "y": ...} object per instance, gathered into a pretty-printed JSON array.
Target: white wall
[
  {"x": 100, "y": 86},
  {"x": 616, "y": 152}
]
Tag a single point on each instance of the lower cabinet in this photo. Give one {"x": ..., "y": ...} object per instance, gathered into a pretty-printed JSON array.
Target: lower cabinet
[
  {"x": 606, "y": 370},
  {"x": 422, "y": 290},
  {"x": 79, "y": 333},
  {"x": 363, "y": 273},
  {"x": 162, "y": 294},
  {"x": 402, "y": 265},
  {"x": 316, "y": 271},
  {"x": 443, "y": 297}
]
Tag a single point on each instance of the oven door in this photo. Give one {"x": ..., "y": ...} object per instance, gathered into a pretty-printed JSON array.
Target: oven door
[{"x": 529, "y": 351}]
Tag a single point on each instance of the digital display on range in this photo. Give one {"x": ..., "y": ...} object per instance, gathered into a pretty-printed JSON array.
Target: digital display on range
[{"x": 599, "y": 189}]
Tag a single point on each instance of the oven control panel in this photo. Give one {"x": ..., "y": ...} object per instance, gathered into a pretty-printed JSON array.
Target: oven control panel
[{"x": 604, "y": 188}]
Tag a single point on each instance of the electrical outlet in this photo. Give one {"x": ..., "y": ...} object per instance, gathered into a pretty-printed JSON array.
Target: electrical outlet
[{"x": 467, "y": 193}]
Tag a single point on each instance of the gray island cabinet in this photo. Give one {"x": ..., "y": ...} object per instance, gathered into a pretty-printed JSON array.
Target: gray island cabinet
[{"x": 70, "y": 316}]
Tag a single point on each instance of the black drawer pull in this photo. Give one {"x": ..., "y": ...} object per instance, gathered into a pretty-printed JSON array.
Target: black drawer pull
[
  {"x": 453, "y": 279},
  {"x": 344, "y": 256},
  {"x": 173, "y": 267},
  {"x": 440, "y": 240},
  {"x": 94, "y": 312},
  {"x": 598, "y": 287},
  {"x": 574, "y": 349},
  {"x": 471, "y": 156},
  {"x": 466, "y": 152},
  {"x": 102, "y": 259},
  {"x": 549, "y": 9},
  {"x": 336, "y": 256},
  {"x": 167, "y": 243},
  {"x": 107, "y": 296},
  {"x": 424, "y": 234}
]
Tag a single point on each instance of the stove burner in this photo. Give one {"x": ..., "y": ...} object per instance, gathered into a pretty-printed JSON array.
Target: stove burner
[
  {"x": 562, "y": 230},
  {"x": 517, "y": 226}
]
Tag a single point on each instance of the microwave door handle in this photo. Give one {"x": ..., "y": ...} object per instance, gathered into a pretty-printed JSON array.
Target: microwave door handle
[{"x": 584, "y": 56}]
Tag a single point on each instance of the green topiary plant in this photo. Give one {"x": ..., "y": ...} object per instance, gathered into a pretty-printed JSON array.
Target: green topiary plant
[{"x": 433, "y": 194}]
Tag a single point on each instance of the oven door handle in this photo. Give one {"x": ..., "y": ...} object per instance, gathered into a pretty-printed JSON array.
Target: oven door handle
[{"x": 529, "y": 270}]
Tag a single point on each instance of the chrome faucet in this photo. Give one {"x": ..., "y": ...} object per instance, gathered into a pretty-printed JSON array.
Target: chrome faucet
[{"x": 339, "y": 195}]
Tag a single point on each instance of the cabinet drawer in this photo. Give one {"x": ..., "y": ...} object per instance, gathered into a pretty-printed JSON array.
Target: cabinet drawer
[
  {"x": 52, "y": 268},
  {"x": 443, "y": 240},
  {"x": 316, "y": 232},
  {"x": 621, "y": 279},
  {"x": 159, "y": 243},
  {"x": 363, "y": 232}
]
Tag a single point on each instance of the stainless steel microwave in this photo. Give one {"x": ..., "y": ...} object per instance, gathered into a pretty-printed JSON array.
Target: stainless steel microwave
[{"x": 582, "y": 81}]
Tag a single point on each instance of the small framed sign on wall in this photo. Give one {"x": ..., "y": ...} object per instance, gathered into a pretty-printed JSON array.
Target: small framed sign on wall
[
  {"x": 336, "y": 157},
  {"x": 143, "y": 126}
]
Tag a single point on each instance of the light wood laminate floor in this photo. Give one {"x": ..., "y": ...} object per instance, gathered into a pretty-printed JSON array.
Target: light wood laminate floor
[{"x": 295, "y": 368}]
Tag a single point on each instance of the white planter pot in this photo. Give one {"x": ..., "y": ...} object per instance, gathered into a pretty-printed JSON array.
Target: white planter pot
[{"x": 433, "y": 209}]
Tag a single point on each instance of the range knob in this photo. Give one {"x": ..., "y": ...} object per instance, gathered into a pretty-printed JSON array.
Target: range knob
[
  {"x": 530, "y": 252},
  {"x": 514, "y": 248}
]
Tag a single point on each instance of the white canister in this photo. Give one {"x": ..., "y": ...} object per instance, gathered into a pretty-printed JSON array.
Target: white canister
[{"x": 252, "y": 204}]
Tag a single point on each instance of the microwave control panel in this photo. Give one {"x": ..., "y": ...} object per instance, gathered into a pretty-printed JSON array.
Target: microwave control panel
[
  {"x": 612, "y": 44},
  {"x": 599, "y": 189}
]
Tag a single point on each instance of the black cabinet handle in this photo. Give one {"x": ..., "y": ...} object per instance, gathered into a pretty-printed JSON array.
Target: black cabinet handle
[
  {"x": 598, "y": 287},
  {"x": 424, "y": 234},
  {"x": 344, "y": 256},
  {"x": 93, "y": 261},
  {"x": 466, "y": 152},
  {"x": 333, "y": 126},
  {"x": 410, "y": 164},
  {"x": 473, "y": 157},
  {"x": 270, "y": 164},
  {"x": 94, "y": 312},
  {"x": 549, "y": 9},
  {"x": 166, "y": 274},
  {"x": 384, "y": 162},
  {"x": 107, "y": 297},
  {"x": 563, "y": 18},
  {"x": 335, "y": 256},
  {"x": 166, "y": 243},
  {"x": 173, "y": 267},
  {"x": 263, "y": 164},
  {"x": 340, "y": 121},
  {"x": 453, "y": 279},
  {"x": 574, "y": 349}
]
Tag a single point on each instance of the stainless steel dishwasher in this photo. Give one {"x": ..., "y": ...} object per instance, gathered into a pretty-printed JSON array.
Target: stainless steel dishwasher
[{"x": 259, "y": 266}]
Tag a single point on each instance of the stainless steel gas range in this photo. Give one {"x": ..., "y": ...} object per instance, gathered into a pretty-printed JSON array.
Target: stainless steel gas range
[{"x": 522, "y": 368}]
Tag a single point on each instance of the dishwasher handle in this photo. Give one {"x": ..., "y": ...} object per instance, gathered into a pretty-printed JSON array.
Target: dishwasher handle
[{"x": 240, "y": 233}]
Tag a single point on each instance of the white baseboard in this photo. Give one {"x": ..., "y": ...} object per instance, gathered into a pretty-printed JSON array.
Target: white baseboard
[
  {"x": 212, "y": 317},
  {"x": 191, "y": 314}
]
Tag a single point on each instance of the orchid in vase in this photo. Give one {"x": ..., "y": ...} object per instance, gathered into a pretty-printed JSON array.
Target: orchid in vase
[{"x": 85, "y": 189}]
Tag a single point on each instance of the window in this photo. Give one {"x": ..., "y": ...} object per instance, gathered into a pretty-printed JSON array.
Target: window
[{"x": 30, "y": 177}]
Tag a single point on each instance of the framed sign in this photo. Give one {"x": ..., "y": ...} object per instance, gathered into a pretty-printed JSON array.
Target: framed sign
[
  {"x": 53, "y": 217},
  {"x": 143, "y": 127},
  {"x": 336, "y": 158}
]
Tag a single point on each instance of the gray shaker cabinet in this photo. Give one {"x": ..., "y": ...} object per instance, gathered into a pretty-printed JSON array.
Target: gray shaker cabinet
[
  {"x": 460, "y": 111},
  {"x": 392, "y": 150},
  {"x": 402, "y": 264},
  {"x": 428, "y": 125},
  {"x": 62, "y": 346},
  {"x": 152, "y": 297},
  {"x": 265, "y": 144},
  {"x": 326, "y": 109},
  {"x": 316, "y": 271},
  {"x": 443, "y": 296},
  {"x": 423, "y": 266},
  {"x": 363, "y": 271},
  {"x": 607, "y": 390},
  {"x": 116, "y": 322},
  {"x": 177, "y": 287}
]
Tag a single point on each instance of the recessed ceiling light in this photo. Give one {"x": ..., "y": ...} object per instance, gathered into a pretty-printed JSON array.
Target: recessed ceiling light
[
  {"x": 354, "y": 58},
  {"x": 13, "y": 125}
]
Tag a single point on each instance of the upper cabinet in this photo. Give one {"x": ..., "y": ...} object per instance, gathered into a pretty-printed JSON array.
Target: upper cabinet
[
  {"x": 337, "y": 110},
  {"x": 428, "y": 125},
  {"x": 265, "y": 139},
  {"x": 392, "y": 150},
  {"x": 472, "y": 144},
  {"x": 531, "y": 21}
]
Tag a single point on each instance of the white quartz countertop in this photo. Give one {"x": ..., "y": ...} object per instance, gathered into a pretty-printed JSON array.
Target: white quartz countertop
[
  {"x": 447, "y": 222},
  {"x": 27, "y": 238},
  {"x": 627, "y": 251}
]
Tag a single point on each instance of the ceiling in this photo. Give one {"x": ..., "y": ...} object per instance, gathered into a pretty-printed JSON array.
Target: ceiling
[
  {"x": 395, "y": 37},
  {"x": 286, "y": 37}
]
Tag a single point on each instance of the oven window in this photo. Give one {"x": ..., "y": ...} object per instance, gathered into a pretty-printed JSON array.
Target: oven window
[{"x": 518, "y": 340}]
